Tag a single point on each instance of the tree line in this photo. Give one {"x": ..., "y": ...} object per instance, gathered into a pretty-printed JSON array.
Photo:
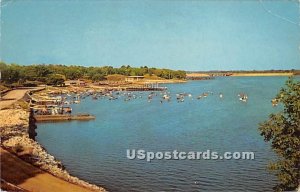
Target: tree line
[{"x": 56, "y": 74}]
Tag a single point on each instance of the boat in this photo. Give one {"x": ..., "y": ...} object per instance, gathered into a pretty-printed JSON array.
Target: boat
[
  {"x": 166, "y": 97},
  {"x": 243, "y": 97}
]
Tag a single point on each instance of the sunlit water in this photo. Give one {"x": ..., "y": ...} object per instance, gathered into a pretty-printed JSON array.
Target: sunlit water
[{"x": 96, "y": 150}]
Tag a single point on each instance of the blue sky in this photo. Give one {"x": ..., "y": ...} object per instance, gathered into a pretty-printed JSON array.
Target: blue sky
[{"x": 188, "y": 35}]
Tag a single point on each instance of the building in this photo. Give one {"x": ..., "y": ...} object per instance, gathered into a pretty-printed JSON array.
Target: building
[
  {"x": 75, "y": 83},
  {"x": 134, "y": 78}
]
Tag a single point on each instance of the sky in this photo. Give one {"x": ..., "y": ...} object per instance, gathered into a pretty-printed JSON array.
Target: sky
[{"x": 187, "y": 35}]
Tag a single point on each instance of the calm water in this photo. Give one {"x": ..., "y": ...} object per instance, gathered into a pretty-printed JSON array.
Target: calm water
[{"x": 96, "y": 150}]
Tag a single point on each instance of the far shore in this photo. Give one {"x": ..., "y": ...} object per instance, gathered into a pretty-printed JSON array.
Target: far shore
[
  {"x": 260, "y": 74},
  {"x": 163, "y": 81},
  {"x": 241, "y": 74}
]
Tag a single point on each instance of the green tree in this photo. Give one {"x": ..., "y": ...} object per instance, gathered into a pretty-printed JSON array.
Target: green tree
[
  {"x": 56, "y": 79},
  {"x": 283, "y": 131},
  {"x": 97, "y": 77},
  {"x": 19, "y": 74},
  {"x": 12, "y": 74}
]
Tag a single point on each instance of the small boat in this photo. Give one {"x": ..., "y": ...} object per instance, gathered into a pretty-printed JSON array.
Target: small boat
[
  {"x": 205, "y": 95},
  {"x": 166, "y": 97},
  {"x": 180, "y": 100},
  {"x": 243, "y": 97}
]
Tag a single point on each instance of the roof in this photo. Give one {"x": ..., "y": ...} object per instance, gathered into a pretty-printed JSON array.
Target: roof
[
  {"x": 74, "y": 81},
  {"x": 136, "y": 76}
]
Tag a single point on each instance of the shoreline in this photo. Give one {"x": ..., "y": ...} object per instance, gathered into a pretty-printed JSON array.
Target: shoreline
[
  {"x": 260, "y": 74},
  {"x": 17, "y": 128},
  {"x": 241, "y": 74}
]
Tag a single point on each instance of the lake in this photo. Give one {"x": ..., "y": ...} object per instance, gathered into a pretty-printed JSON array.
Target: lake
[{"x": 95, "y": 151}]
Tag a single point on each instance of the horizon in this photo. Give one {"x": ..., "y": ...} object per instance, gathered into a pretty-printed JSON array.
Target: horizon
[{"x": 208, "y": 35}]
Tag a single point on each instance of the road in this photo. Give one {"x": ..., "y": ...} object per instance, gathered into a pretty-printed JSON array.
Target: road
[
  {"x": 30, "y": 178},
  {"x": 13, "y": 96}
]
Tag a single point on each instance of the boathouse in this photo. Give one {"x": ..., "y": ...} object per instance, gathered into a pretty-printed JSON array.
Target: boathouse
[
  {"x": 75, "y": 83},
  {"x": 134, "y": 78}
]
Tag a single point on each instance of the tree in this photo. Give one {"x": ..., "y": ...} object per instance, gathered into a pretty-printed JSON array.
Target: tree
[
  {"x": 56, "y": 79},
  {"x": 11, "y": 74},
  {"x": 283, "y": 131},
  {"x": 19, "y": 74},
  {"x": 98, "y": 77}
]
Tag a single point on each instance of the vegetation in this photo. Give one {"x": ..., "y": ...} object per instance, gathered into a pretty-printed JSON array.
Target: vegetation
[
  {"x": 13, "y": 74},
  {"x": 56, "y": 79},
  {"x": 115, "y": 77},
  {"x": 283, "y": 131}
]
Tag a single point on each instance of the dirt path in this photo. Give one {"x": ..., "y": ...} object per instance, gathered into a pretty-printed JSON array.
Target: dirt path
[
  {"x": 30, "y": 178},
  {"x": 13, "y": 96}
]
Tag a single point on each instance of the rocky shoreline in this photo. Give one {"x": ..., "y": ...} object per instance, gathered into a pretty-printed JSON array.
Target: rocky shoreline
[{"x": 17, "y": 129}]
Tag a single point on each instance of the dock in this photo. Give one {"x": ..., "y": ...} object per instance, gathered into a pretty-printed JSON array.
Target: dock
[
  {"x": 59, "y": 117},
  {"x": 145, "y": 89}
]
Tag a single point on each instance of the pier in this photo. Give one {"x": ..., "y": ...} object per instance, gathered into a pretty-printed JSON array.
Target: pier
[
  {"x": 59, "y": 117},
  {"x": 146, "y": 87}
]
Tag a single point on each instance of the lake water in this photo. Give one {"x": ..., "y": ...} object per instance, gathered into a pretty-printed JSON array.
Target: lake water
[{"x": 96, "y": 150}]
